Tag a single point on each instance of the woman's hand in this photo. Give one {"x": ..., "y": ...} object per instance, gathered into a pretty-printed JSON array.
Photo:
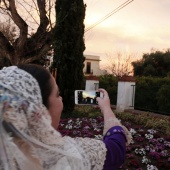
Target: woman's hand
[{"x": 104, "y": 102}]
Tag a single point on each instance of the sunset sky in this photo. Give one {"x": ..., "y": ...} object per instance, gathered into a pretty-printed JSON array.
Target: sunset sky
[{"x": 138, "y": 27}]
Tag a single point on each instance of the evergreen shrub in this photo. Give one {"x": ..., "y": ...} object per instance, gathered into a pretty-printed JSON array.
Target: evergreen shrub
[{"x": 109, "y": 82}]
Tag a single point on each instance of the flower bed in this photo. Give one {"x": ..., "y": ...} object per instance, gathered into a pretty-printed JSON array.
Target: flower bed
[{"x": 149, "y": 150}]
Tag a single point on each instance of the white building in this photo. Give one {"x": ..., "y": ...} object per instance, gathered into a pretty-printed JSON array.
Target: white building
[
  {"x": 92, "y": 65},
  {"x": 91, "y": 71}
]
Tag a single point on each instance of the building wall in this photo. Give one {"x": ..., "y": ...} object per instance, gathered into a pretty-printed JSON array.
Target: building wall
[
  {"x": 92, "y": 85},
  {"x": 94, "y": 65}
]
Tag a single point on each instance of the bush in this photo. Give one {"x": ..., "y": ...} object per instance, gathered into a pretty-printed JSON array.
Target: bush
[
  {"x": 109, "y": 82},
  {"x": 163, "y": 98},
  {"x": 153, "y": 94}
]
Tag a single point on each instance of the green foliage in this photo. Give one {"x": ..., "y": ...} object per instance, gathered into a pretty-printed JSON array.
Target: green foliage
[
  {"x": 86, "y": 111},
  {"x": 68, "y": 49},
  {"x": 125, "y": 116},
  {"x": 143, "y": 118},
  {"x": 154, "y": 64},
  {"x": 160, "y": 123},
  {"x": 163, "y": 98},
  {"x": 153, "y": 94},
  {"x": 109, "y": 82}
]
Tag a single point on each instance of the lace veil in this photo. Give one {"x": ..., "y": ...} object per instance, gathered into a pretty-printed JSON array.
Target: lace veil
[{"x": 24, "y": 118}]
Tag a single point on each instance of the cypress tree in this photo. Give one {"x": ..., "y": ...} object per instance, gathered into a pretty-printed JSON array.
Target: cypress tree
[{"x": 68, "y": 50}]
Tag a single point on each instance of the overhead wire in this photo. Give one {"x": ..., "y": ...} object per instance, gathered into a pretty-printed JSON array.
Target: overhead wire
[{"x": 109, "y": 15}]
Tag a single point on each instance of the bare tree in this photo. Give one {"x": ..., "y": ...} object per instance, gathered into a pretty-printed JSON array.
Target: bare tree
[
  {"x": 34, "y": 29},
  {"x": 8, "y": 30},
  {"x": 119, "y": 64}
]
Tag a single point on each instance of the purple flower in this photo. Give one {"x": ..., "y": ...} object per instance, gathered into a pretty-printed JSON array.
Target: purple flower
[
  {"x": 153, "y": 141},
  {"x": 129, "y": 148},
  {"x": 154, "y": 155},
  {"x": 133, "y": 163},
  {"x": 130, "y": 156},
  {"x": 139, "y": 139},
  {"x": 76, "y": 132},
  {"x": 156, "y": 152},
  {"x": 167, "y": 144},
  {"x": 147, "y": 148},
  {"x": 161, "y": 140},
  {"x": 159, "y": 147}
]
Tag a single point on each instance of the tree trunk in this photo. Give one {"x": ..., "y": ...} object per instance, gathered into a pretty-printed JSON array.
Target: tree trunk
[{"x": 26, "y": 48}]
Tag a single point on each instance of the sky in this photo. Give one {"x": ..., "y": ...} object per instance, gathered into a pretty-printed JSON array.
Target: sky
[{"x": 137, "y": 28}]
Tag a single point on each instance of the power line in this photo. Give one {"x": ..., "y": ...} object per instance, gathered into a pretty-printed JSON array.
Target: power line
[{"x": 109, "y": 15}]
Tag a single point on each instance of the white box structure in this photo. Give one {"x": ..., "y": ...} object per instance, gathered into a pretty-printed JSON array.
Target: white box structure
[
  {"x": 125, "y": 94},
  {"x": 92, "y": 83}
]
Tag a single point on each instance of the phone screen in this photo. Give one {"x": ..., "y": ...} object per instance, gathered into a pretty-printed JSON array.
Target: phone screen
[{"x": 88, "y": 97}]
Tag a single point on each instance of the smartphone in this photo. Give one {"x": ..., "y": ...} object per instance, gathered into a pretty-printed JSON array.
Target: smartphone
[{"x": 83, "y": 97}]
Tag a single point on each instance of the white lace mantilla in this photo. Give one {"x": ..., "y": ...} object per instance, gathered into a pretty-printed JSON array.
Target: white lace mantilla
[{"x": 21, "y": 105}]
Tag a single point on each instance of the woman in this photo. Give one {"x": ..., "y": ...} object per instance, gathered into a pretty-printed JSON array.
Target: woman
[{"x": 30, "y": 109}]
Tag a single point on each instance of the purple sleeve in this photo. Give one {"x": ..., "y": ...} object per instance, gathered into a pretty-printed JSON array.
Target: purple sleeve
[{"x": 115, "y": 142}]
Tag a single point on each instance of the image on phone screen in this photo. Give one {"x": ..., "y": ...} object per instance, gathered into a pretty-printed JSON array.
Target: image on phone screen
[{"x": 88, "y": 97}]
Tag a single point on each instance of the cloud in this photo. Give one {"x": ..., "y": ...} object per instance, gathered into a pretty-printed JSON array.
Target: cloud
[{"x": 140, "y": 26}]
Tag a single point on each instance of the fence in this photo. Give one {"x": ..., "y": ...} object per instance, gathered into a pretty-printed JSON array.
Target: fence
[
  {"x": 153, "y": 99},
  {"x": 143, "y": 97}
]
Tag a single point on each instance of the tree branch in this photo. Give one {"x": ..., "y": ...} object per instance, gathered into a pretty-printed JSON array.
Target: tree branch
[
  {"x": 45, "y": 48},
  {"x": 5, "y": 47},
  {"x": 41, "y": 31},
  {"x": 23, "y": 27}
]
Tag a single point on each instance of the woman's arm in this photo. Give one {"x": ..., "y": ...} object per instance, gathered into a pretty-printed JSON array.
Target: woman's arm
[
  {"x": 115, "y": 142},
  {"x": 116, "y": 136},
  {"x": 110, "y": 119}
]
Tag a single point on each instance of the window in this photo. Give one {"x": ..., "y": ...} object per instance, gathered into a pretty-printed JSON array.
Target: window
[
  {"x": 88, "y": 68},
  {"x": 96, "y": 86}
]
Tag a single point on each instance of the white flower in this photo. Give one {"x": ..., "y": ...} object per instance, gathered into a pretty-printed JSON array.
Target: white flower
[
  {"x": 148, "y": 136},
  {"x": 140, "y": 151},
  {"x": 132, "y": 131},
  {"x": 70, "y": 121},
  {"x": 152, "y": 131},
  {"x": 132, "y": 141},
  {"x": 145, "y": 160},
  {"x": 164, "y": 153},
  {"x": 166, "y": 143},
  {"x": 136, "y": 151},
  {"x": 69, "y": 126},
  {"x": 151, "y": 167},
  {"x": 78, "y": 122},
  {"x": 77, "y": 126}
]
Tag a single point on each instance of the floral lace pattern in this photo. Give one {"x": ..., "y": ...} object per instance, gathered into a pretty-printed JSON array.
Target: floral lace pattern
[
  {"x": 95, "y": 151},
  {"x": 21, "y": 105}
]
